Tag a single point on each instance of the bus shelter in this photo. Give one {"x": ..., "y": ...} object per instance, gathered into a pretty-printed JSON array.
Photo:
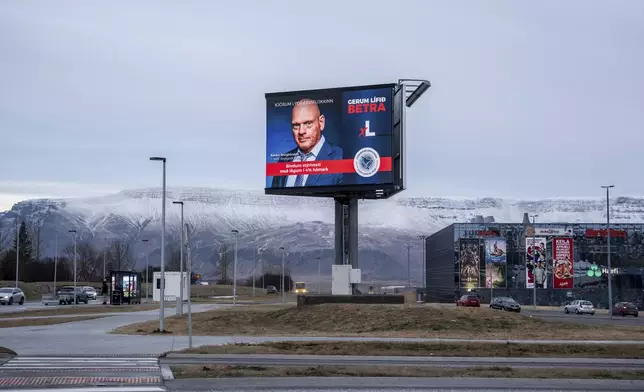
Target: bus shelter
[{"x": 125, "y": 287}]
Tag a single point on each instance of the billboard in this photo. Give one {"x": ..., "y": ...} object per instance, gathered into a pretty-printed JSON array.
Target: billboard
[
  {"x": 536, "y": 266},
  {"x": 470, "y": 263},
  {"x": 335, "y": 138},
  {"x": 532, "y": 232},
  {"x": 562, "y": 263},
  {"x": 495, "y": 262}
]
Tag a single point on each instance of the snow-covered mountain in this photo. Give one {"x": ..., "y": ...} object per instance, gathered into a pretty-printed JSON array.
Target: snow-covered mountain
[{"x": 303, "y": 226}]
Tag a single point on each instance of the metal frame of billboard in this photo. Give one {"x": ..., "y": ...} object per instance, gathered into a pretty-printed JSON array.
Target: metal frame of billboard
[{"x": 404, "y": 94}]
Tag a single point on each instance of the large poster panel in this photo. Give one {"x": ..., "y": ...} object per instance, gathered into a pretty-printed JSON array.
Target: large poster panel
[
  {"x": 495, "y": 262},
  {"x": 562, "y": 263},
  {"x": 470, "y": 263},
  {"x": 536, "y": 267}
]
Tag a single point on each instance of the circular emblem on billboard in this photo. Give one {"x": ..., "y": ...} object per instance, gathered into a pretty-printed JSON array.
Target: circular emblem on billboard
[{"x": 366, "y": 162}]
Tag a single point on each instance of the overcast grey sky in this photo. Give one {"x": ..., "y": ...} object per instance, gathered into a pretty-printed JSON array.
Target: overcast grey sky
[{"x": 529, "y": 98}]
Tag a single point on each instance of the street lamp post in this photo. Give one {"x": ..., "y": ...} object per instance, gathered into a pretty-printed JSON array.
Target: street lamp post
[
  {"x": 104, "y": 262},
  {"x": 408, "y": 266},
  {"x": 534, "y": 264},
  {"x": 189, "y": 261},
  {"x": 283, "y": 287},
  {"x": 319, "y": 276},
  {"x": 424, "y": 238},
  {"x": 181, "y": 261},
  {"x": 147, "y": 268},
  {"x": 73, "y": 233},
  {"x": 162, "y": 294},
  {"x": 17, "y": 248},
  {"x": 235, "y": 232},
  {"x": 610, "y": 273},
  {"x": 55, "y": 262}
]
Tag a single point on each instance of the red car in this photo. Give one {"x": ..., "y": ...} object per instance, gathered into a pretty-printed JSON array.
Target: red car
[{"x": 469, "y": 300}]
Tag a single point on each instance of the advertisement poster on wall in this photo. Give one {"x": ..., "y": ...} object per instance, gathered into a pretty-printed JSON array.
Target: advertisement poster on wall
[
  {"x": 562, "y": 263},
  {"x": 536, "y": 266},
  {"x": 470, "y": 263},
  {"x": 495, "y": 262}
]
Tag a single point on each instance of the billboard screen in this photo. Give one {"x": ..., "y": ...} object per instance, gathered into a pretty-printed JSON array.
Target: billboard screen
[
  {"x": 470, "y": 263},
  {"x": 329, "y": 138},
  {"x": 536, "y": 266},
  {"x": 562, "y": 263},
  {"x": 495, "y": 262}
]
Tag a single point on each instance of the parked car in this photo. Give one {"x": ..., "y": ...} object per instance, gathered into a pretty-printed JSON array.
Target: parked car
[
  {"x": 271, "y": 290},
  {"x": 469, "y": 300},
  {"x": 11, "y": 295},
  {"x": 66, "y": 295},
  {"x": 625, "y": 309},
  {"x": 580, "y": 306},
  {"x": 91, "y": 292},
  {"x": 505, "y": 303}
]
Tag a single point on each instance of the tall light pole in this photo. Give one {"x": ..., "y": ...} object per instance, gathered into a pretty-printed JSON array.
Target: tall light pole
[
  {"x": 534, "y": 264},
  {"x": 255, "y": 272},
  {"x": 55, "y": 262},
  {"x": 17, "y": 248},
  {"x": 235, "y": 232},
  {"x": 408, "y": 265},
  {"x": 189, "y": 261},
  {"x": 73, "y": 233},
  {"x": 181, "y": 260},
  {"x": 319, "y": 276},
  {"x": 424, "y": 238},
  {"x": 283, "y": 297},
  {"x": 162, "y": 294},
  {"x": 105, "y": 261},
  {"x": 147, "y": 268},
  {"x": 610, "y": 273}
]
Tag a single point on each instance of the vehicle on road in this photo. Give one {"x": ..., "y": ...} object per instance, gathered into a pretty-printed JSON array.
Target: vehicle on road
[
  {"x": 271, "y": 289},
  {"x": 505, "y": 303},
  {"x": 300, "y": 288},
  {"x": 11, "y": 295},
  {"x": 580, "y": 306},
  {"x": 91, "y": 292},
  {"x": 66, "y": 295},
  {"x": 469, "y": 300},
  {"x": 625, "y": 309}
]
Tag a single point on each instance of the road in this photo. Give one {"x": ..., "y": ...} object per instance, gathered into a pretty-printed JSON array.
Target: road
[
  {"x": 444, "y": 362},
  {"x": 36, "y": 305},
  {"x": 399, "y": 384},
  {"x": 597, "y": 319}
]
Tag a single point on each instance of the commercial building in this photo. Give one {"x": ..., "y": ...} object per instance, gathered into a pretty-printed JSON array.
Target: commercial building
[{"x": 505, "y": 259}]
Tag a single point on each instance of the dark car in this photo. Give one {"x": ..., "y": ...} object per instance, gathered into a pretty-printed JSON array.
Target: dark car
[
  {"x": 66, "y": 295},
  {"x": 625, "y": 309},
  {"x": 469, "y": 300},
  {"x": 505, "y": 303}
]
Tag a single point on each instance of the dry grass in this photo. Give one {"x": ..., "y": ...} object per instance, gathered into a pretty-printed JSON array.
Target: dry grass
[
  {"x": 429, "y": 349},
  {"x": 384, "y": 321},
  {"x": 43, "y": 321},
  {"x": 217, "y": 371},
  {"x": 80, "y": 309}
]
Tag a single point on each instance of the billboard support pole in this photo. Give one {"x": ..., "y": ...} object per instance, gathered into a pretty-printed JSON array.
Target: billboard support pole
[
  {"x": 339, "y": 231},
  {"x": 353, "y": 238},
  {"x": 346, "y": 231}
]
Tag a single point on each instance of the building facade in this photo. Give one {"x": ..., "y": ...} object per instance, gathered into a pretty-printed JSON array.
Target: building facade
[{"x": 564, "y": 261}]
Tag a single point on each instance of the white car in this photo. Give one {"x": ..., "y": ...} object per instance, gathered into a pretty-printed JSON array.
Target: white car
[
  {"x": 10, "y": 296},
  {"x": 580, "y": 307}
]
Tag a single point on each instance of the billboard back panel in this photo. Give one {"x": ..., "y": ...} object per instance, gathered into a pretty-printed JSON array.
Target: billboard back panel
[
  {"x": 562, "y": 263},
  {"x": 330, "y": 138}
]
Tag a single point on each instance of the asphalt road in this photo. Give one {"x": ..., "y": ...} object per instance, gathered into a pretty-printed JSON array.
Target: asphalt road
[
  {"x": 398, "y": 384},
  {"x": 36, "y": 305},
  {"x": 597, "y": 319},
  {"x": 444, "y": 362}
]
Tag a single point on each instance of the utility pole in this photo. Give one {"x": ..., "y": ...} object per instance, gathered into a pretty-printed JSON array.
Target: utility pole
[
  {"x": 319, "y": 276},
  {"x": 147, "y": 268},
  {"x": 408, "y": 265},
  {"x": 162, "y": 294},
  {"x": 189, "y": 261},
  {"x": 55, "y": 263},
  {"x": 235, "y": 232},
  {"x": 610, "y": 272},
  {"x": 73, "y": 232},
  {"x": 534, "y": 263},
  {"x": 283, "y": 286},
  {"x": 181, "y": 261},
  {"x": 17, "y": 247}
]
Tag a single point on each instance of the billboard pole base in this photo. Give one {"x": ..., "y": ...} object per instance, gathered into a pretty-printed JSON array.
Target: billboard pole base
[{"x": 346, "y": 233}]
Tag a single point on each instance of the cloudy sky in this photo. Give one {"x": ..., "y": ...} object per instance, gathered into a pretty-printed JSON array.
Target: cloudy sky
[{"x": 529, "y": 99}]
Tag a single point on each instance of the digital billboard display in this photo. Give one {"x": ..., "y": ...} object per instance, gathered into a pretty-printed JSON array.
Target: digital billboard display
[{"x": 333, "y": 138}]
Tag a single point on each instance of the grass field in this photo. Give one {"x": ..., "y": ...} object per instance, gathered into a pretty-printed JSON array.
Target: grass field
[
  {"x": 213, "y": 371},
  {"x": 43, "y": 321},
  {"x": 382, "y": 320},
  {"x": 428, "y": 349}
]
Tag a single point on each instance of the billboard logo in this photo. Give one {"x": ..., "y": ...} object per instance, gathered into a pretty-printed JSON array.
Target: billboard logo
[
  {"x": 366, "y": 131},
  {"x": 366, "y": 162}
]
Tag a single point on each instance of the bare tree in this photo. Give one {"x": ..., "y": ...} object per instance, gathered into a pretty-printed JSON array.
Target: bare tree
[
  {"x": 224, "y": 262},
  {"x": 174, "y": 264},
  {"x": 120, "y": 255},
  {"x": 87, "y": 266},
  {"x": 36, "y": 238}
]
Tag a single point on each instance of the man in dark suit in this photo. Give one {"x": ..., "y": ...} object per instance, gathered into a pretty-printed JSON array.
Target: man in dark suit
[{"x": 307, "y": 124}]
